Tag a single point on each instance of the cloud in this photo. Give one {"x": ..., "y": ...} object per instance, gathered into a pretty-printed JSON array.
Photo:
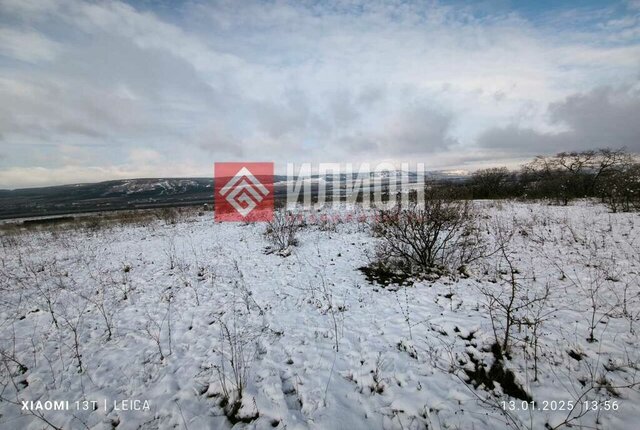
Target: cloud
[
  {"x": 415, "y": 130},
  {"x": 41, "y": 176},
  {"x": 302, "y": 81},
  {"x": 605, "y": 117},
  {"x": 634, "y": 4},
  {"x": 28, "y": 46},
  {"x": 30, "y": 10}
]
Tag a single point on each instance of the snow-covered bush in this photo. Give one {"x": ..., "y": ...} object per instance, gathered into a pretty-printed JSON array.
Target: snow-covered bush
[{"x": 440, "y": 236}]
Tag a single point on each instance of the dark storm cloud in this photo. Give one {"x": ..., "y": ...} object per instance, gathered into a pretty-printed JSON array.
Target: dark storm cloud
[{"x": 605, "y": 117}]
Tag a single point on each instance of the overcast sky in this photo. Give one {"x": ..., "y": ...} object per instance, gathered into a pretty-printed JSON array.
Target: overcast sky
[{"x": 103, "y": 90}]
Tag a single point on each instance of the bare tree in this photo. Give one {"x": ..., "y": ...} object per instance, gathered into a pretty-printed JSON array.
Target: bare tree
[
  {"x": 620, "y": 188},
  {"x": 491, "y": 183},
  {"x": 569, "y": 175}
]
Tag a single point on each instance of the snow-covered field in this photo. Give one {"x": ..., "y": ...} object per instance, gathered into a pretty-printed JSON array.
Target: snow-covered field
[{"x": 161, "y": 312}]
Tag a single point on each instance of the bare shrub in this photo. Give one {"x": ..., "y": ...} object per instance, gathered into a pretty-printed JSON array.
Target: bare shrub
[
  {"x": 169, "y": 215},
  {"x": 102, "y": 297},
  {"x": 329, "y": 306},
  {"x": 512, "y": 299},
  {"x": 72, "y": 319},
  {"x": 237, "y": 351},
  {"x": 10, "y": 237},
  {"x": 598, "y": 290},
  {"x": 378, "y": 385},
  {"x": 158, "y": 329},
  {"x": 170, "y": 252},
  {"x": 405, "y": 310},
  {"x": 438, "y": 237},
  {"x": 281, "y": 231},
  {"x": 47, "y": 293},
  {"x": 328, "y": 224}
]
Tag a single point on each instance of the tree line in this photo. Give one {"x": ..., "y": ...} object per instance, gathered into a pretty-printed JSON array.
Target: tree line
[{"x": 613, "y": 176}]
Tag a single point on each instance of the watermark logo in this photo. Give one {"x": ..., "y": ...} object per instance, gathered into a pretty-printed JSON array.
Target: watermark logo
[
  {"x": 247, "y": 192},
  {"x": 243, "y": 191}
]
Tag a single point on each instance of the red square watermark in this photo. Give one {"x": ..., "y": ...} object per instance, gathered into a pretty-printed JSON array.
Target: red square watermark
[{"x": 243, "y": 191}]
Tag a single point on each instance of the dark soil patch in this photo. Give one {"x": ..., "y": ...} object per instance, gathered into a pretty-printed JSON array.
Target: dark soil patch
[
  {"x": 578, "y": 356},
  {"x": 468, "y": 338},
  {"x": 497, "y": 373},
  {"x": 380, "y": 275},
  {"x": 232, "y": 409}
]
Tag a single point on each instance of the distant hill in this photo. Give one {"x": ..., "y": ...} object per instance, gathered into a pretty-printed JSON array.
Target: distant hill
[
  {"x": 141, "y": 194},
  {"x": 109, "y": 195}
]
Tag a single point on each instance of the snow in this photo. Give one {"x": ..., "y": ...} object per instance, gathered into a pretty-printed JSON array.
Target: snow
[
  {"x": 165, "y": 186},
  {"x": 388, "y": 371}
]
